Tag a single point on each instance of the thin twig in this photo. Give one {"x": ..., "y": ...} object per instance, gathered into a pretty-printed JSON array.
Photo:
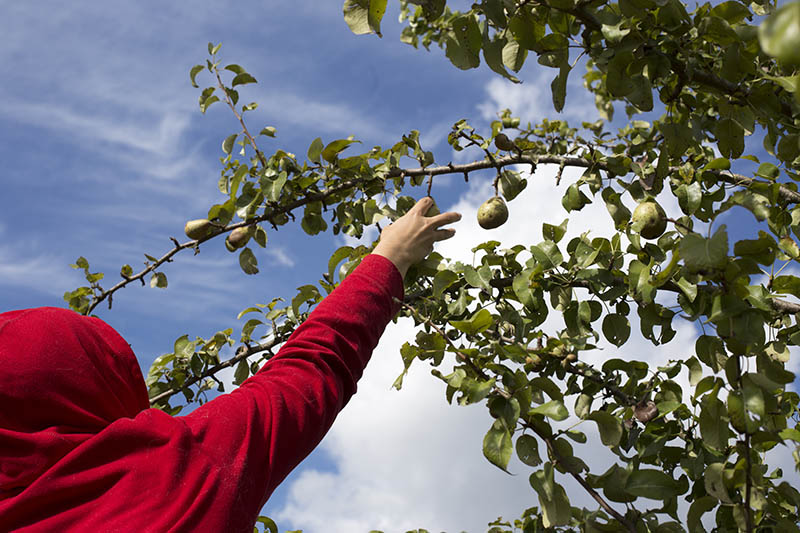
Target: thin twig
[
  {"x": 239, "y": 116},
  {"x": 583, "y": 483}
]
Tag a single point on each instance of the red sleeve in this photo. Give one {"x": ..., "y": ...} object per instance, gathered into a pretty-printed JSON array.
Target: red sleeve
[{"x": 267, "y": 426}]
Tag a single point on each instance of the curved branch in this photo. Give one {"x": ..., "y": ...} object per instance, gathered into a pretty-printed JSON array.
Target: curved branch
[
  {"x": 630, "y": 526},
  {"x": 242, "y": 353},
  {"x": 786, "y": 194}
]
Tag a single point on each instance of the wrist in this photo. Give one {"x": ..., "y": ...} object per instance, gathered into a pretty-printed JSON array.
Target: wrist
[{"x": 399, "y": 264}]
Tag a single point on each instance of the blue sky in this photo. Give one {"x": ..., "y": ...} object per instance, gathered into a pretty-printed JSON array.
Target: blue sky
[{"x": 106, "y": 155}]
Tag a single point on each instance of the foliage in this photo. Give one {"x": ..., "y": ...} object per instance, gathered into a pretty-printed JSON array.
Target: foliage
[{"x": 697, "y": 88}]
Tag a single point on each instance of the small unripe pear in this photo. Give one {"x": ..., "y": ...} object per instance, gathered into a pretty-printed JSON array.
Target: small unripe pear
[
  {"x": 649, "y": 219},
  {"x": 238, "y": 238},
  {"x": 502, "y": 142},
  {"x": 198, "y": 228},
  {"x": 645, "y": 411},
  {"x": 534, "y": 362},
  {"x": 510, "y": 122},
  {"x": 433, "y": 210},
  {"x": 492, "y": 213}
]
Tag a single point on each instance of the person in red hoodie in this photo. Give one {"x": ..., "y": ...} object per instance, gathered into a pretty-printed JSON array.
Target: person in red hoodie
[{"x": 81, "y": 449}]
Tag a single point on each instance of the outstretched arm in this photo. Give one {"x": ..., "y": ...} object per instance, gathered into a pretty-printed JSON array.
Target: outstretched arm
[{"x": 258, "y": 433}]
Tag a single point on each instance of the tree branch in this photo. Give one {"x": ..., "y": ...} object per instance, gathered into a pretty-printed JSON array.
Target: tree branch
[
  {"x": 242, "y": 353},
  {"x": 239, "y": 116},
  {"x": 630, "y": 526}
]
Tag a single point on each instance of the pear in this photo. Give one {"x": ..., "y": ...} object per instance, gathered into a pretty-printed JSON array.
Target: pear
[
  {"x": 433, "y": 210},
  {"x": 238, "y": 238},
  {"x": 492, "y": 213},
  {"x": 198, "y": 228},
  {"x": 502, "y": 142},
  {"x": 649, "y": 219}
]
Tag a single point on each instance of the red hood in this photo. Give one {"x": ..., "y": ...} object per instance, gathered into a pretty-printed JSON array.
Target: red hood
[{"x": 63, "y": 378}]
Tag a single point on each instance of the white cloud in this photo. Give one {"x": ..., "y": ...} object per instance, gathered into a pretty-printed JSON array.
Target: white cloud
[
  {"x": 532, "y": 100},
  {"x": 40, "y": 271}
]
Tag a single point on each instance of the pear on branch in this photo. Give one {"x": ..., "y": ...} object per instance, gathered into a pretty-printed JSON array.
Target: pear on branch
[
  {"x": 238, "y": 238},
  {"x": 198, "y": 228},
  {"x": 502, "y": 142},
  {"x": 649, "y": 219},
  {"x": 433, "y": 210},
  {"x": 492, "y": 213}
]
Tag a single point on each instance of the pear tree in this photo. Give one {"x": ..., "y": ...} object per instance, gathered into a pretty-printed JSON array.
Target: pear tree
[{"x": 710, "y": 98}]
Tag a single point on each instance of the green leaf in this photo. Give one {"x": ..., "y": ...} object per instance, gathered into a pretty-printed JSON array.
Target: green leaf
[
  {"x": 442, "y": 280},
  {"x": 768, "y": 171},
  {"x": 331, "y": 152},
  {"x": 241, "y": 373},
  {"x": 713, "y": 425},
  {"x": 497, "y": 445},
  {"x": 720, "y": 163},
  {"x": 243, "y": 79},
  {"x": 695, "y": 371},
  {"x": 336, "y": 258},
  {"x": 158, "y": 280},
  {"x": 526, "y": 31},
  {"x": 528, "y": 450},
  {"x": 689, "y": 197},
  {"x": 700, "y": 253},
  {"x": 268, "y": 131},
  {"x": 558, "y": 88},
  {"x": 269, "y": 524},
  {"x": 493, "y": 54},
  {"x": 511, "y": 184},
  {"x": 305, "y": 293},
  {"x": 522, "y": 289},
  {"x": 574, "y": 199},
  {"x": 779, "y": 34},
  {"x": 556, "y": 510},
  {"x": 479, "y": 321},
  {"x": 315, "y": 150},
  {"x": 248, "y": 261},
  {"x": 554, "y": 233},
  {"x": 652, "y": 484},
  {"x": 714, "y": 483},
  {"x": 514, "y": 55},
  {"x": 236, "y": 69},
  {"x": 616, "y": 328},
  {"x": 183, "y": 347},
  {"x": 193, "y": 74},
  {"x": 375, "y": 14},
  {"x": 227, "y": 144},
  {"x": 364, "y": 16},
  {"x": 609, "y": 426},
  {"x": 730, "y": 137},
  {"x": 479, "y": 278},
  {"x": 554, "y": 409},
  {"x": 787, "y": 285},
  {"x": 698, "y": 508}
]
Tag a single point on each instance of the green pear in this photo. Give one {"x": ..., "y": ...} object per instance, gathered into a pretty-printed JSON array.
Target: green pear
[
  {"x": 649, "y": 219},
  {"x": 198, "y": 228},
  {"x": 492, "y": 213},
  {"x": 502, "y": 142},
  {"x": 238, "y": 238},
  {"x": 432, "y": 210}
]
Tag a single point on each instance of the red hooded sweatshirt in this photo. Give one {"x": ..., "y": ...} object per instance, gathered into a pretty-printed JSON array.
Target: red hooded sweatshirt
[{"x": 81, "y": 450}]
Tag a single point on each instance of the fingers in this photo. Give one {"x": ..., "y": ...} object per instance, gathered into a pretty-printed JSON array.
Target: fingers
[
  {"x": 442, "y": 234},
  {"x": 422, "y": 205},
  {"x": 445, "y": 218}
]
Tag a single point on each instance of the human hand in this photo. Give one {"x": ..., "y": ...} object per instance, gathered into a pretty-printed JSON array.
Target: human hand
[{"x": 410, "y": 238}]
